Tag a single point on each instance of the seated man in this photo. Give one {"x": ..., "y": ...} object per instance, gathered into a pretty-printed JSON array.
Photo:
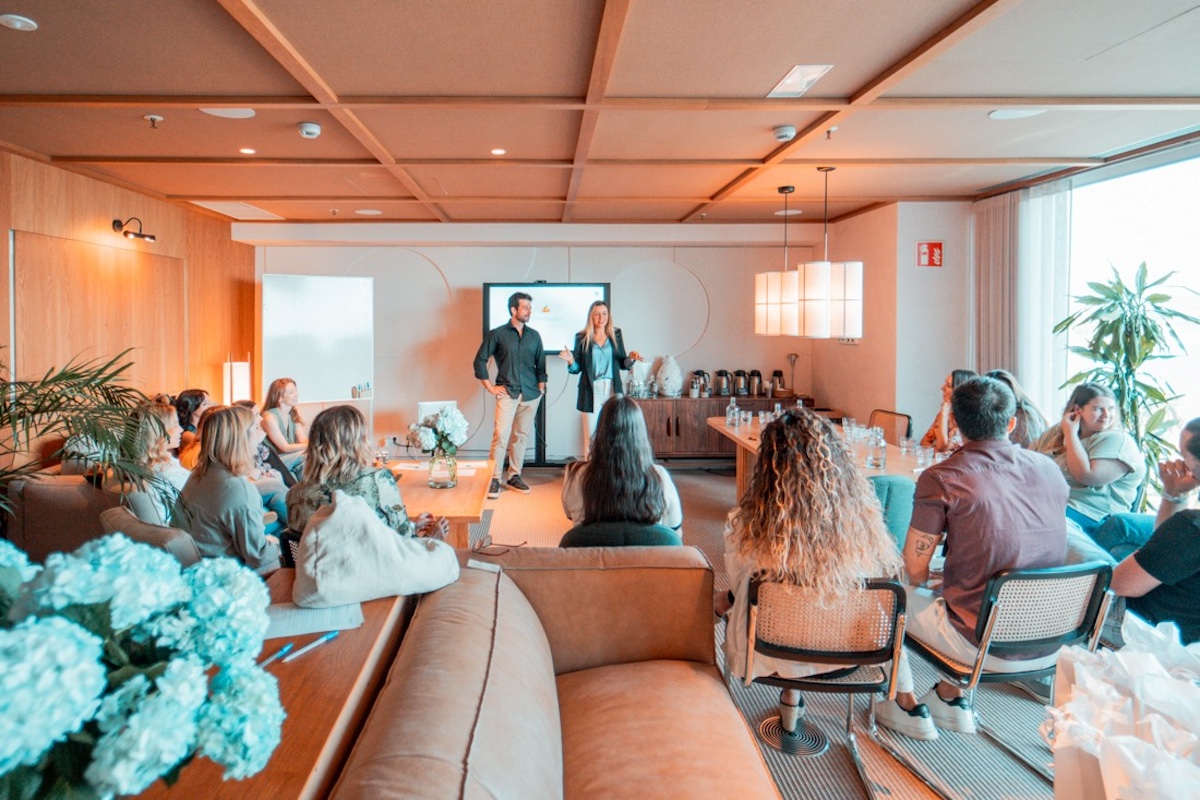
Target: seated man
[
  {"x": 1162, "y": 578},
  {"x": 998, "y": 507}
]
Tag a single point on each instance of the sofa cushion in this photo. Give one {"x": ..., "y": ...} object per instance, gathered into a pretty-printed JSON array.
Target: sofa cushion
[
  {"x": 656, "y": 729},
  {"x": 55, "y": 513},
  {"x": 469, "y": 708}
]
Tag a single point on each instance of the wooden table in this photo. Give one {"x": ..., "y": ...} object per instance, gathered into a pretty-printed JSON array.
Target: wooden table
[
  {"x": 746, "y": 439},
  {"x": 326, "y": 693},
  {"x": 461, "y": 505}
]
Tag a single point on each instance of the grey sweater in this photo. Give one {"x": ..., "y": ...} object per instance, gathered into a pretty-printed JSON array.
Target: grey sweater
[{"x": 224, "y": 515}]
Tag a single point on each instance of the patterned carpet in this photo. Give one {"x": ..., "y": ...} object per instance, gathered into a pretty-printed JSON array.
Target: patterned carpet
[{"x": 969, "y": 766}]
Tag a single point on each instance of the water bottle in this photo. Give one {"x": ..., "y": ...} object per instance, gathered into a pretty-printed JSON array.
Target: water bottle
[{"x": 732, "y": 414}]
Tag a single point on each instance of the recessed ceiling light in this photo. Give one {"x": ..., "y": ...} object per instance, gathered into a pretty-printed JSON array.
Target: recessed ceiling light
[
  {"x": 229, "y": 113},
  {"x": 17, "y": 22},
  {"x": 791, "y": 212},
  {"x": 247, "y": 151},
  {"x": 369, "y": 212},
  {"x": 498, "y": 151},
  {"x": 799, "y": 80},
  {"x": 1015, "y": 113}
]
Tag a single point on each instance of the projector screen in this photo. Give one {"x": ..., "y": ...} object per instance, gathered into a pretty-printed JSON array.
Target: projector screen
[{"x": 559, "y": 309}]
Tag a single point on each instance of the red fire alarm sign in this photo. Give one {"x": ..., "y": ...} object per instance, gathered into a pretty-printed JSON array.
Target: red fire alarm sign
[{"x": 929, "y": 254}]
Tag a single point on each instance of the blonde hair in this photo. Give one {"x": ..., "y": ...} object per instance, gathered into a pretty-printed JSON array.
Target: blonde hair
[
  {"x": 809, "y": 517},
  {"x": 155, "y": 422},
  {"x": 275, "y": 397},
  {"x": 225, "y": 440},
  {"x": 338, "y": 450},
  {"x": 589, "y": 330}
]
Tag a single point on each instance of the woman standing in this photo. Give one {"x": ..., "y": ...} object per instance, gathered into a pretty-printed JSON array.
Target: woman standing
[
  {"x": 621, "y": 482},
  {"x": 285, "y": 428},
  {"x": 1030, "y": 422},
  {"x": 943, "y": 435},
  {"x": 340, "y": 457},
  {"x": 810, "y": 518},
  {"x": 1101, "y": 462},
  {"x": 597, "y": 358},
  {"x": 218, "y": 506}
]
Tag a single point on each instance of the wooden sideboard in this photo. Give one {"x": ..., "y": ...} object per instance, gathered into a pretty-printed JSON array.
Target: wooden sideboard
[{"x": 679, "y": 429}]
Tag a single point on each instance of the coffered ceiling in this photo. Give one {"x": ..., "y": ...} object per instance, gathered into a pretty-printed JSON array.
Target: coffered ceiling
[{"x": 607, "y": 110}]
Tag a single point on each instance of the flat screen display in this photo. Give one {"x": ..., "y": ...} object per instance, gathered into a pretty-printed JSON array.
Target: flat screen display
[{"x": 559, "y": 309}]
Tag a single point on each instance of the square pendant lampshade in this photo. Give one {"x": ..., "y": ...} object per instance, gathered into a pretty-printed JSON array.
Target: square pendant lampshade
[
  {"x": 794, "y": 303},
  {"x": 846, "y": 300}
]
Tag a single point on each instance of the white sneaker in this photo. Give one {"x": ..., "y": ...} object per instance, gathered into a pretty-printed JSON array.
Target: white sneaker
[
  {"x": 955, "y": 715},
  {"x": 915, "y": 724}
]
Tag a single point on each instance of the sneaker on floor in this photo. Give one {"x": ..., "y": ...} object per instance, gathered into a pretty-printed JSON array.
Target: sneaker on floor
[
  {"x": 955, "y": 715},
  {"x": 517, "y": 485},
  {"x": 494, "y": 489},
  {"x": 1040, "y": 689},
  {"x": 915, "y": 724}
]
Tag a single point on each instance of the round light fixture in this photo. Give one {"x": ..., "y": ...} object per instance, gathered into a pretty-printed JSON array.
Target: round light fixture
[
  {"x": 18, "y": 23},
  {"x": 369, "y": 212},
  {"x": 1015, "y": 113},
  {"x": 791, "y": 212},
  {"x": 498, "y": 151},
  {"x": 230, "y": 113},
  {"x": 247, "y": 151}
]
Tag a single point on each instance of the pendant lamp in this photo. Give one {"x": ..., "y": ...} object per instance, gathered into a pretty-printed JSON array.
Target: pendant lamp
[
  {"x": 777, "y": 294},
  {"x": 833, "y": 291}
]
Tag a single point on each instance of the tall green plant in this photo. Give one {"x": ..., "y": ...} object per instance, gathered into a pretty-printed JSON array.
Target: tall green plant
[
  {"x": 1133, "y": 328},
  {"x": 84, "y": 401}
]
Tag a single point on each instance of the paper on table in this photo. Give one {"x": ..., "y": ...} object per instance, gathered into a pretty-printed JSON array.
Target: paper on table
[{"x": 289, "y": 619}]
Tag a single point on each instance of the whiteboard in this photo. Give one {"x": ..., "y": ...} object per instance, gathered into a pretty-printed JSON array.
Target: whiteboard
[{"x": 318, "y": 330}]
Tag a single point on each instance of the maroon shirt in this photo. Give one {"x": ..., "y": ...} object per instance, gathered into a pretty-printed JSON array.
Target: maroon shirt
[{"x": 1001, "y": 507}]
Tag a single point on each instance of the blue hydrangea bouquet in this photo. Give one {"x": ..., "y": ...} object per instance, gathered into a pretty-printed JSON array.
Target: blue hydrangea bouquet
[{"x": 118, "y": 667}]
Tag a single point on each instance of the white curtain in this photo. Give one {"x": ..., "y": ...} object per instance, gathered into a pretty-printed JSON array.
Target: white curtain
[
  {"x": 1042, "y": 294},
  {"x": 995, "y": 224}
]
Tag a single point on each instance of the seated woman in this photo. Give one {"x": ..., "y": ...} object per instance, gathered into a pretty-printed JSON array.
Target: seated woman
[
  {"x": 218, "y": 506},
  {"x": 268, "y": 480},
  {"x": 189, "y": 405},
  {"x": 621, "y": 482},
  {"x": 1101, "y": 462},
  {"x": 158, "y": 436},
  {"x": 286, "y": 434},
  {"x": 810, "y": 518},
  {"x": 943, "y": 435},
  {"x": 1030, "y": 422},
  {"x": 341, "y": 457}
]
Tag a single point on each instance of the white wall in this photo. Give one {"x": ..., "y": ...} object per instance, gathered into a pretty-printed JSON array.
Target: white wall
[{"x": 934, "y": 316}]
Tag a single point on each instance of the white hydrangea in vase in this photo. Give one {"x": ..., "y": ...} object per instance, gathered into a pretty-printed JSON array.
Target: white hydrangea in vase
[{"x": 440, "y": 435}]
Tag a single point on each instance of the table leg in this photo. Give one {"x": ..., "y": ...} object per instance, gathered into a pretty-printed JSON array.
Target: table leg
[
  {"x": 459, "y": 537},
  {"x": 745, "y": 460}
]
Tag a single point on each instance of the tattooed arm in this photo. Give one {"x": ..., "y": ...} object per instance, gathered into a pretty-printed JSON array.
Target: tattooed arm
[{"x": 919, "y": 548}]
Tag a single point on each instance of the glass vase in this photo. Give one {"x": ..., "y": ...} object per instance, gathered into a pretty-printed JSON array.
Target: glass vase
[{"x": 443, "y": 471}]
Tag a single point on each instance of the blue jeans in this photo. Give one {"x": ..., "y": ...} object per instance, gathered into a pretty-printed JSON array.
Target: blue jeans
[
  {"x": 1085, "y": 523},
  {"x": 1121, "y": 534}
]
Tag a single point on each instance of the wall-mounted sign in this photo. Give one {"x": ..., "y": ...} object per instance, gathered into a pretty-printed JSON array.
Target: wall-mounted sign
[{"x": 929, "y": 254}]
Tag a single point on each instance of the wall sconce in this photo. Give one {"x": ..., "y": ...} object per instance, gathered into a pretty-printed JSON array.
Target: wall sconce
[
  {"x": 120, "y": 227},
  {"x": 236, "y": 379}
]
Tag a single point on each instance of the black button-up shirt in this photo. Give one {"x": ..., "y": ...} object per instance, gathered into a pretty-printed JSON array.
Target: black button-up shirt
[{"x": 520, "y": 360}]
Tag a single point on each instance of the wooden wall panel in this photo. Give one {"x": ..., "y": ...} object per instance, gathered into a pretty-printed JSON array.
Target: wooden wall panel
[
  {"x": 6, "y": 161},
  {"x": 77, "y": 298},
  {"x": 221, "y": 285}
]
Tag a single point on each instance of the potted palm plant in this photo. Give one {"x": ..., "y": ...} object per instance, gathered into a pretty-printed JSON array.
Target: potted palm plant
[
  {"x": 1133, "y": 327},
  {"x": 84, "y": 402}
]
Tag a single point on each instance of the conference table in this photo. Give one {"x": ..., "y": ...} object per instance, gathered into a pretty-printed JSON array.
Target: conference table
[
  {"x": 461, "y": 505},
  {"x": 746, "y": 438}
]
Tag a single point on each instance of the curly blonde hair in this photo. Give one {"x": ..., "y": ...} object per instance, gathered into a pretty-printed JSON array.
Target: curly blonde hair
[
  {"x": 338, "y": 449},
  {"x": 809, "y": 517}
]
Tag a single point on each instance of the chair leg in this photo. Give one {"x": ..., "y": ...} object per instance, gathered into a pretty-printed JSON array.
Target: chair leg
[
  {"x": 994, "y": 737},
  {"x": 791, "y": 710},
  {"x": 852, "y": 745},
  {"x": 903, "y": 759},
  {"x": 788, "y": 732}
]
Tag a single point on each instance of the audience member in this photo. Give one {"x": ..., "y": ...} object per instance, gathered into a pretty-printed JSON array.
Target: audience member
[
  {"x": 285, "y": 428},
  {"x": 1030, "y": 422},
  {"x": 1162, "y": 577},
  {"x": 943, "y": 435},
  {"x": 189, "y": 405},
  {"x": 266, "y": 479},
  {"x": 810, "y": 518},
  {"x": 597, "y": 357},
  {"x": 1100, "y": 461},
  {"x": 158, "y": 436},
  {"x": 218, "y": 506},
  {"x": 998, "y": 507},
  {"x": 189, "y": 451},
  {"x": 341, "y": 457},
  {"x": 621, "y": 482}
]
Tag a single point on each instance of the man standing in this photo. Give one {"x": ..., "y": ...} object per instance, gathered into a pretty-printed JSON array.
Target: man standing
[
  {"x": 520, "y": 381},
  {"x": 998, "y": 507},
  {"x": 1162, "y": 578}
]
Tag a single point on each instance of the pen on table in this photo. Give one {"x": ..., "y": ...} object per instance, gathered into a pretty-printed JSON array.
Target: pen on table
[
  {"x": 280, "y": 653},
  {"x": 326, "y": 638}
]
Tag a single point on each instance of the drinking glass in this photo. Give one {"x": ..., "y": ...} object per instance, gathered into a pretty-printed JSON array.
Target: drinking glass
[
  {"x": 940, "y": 457},
  {"x": 848, "y": 424},
  {"x": 924, "y": 456},
  {"x": 876, "y": 450},
  {"x": 764, "y": 417},
  {"x": 907, "y": 445},
  {"x": 747, "y": 418}
]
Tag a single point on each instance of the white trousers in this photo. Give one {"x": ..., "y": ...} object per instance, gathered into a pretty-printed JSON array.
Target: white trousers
[
  {"x": 601, "y": 391},
  {"x": 514, "y": 422}
]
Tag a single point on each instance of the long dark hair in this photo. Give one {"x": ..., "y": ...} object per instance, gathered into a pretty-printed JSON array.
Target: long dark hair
[
  {"x": 186, "y": 404},
  {"x": 620, "y": 483}
]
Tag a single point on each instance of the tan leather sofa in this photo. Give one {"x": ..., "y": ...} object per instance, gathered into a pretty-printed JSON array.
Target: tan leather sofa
[
  {"x": 577, "y": 673},
  {"x": 53, "y": 513}
]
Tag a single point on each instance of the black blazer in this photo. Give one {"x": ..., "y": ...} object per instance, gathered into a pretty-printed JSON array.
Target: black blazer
[{"x": 583, "y": 368}]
